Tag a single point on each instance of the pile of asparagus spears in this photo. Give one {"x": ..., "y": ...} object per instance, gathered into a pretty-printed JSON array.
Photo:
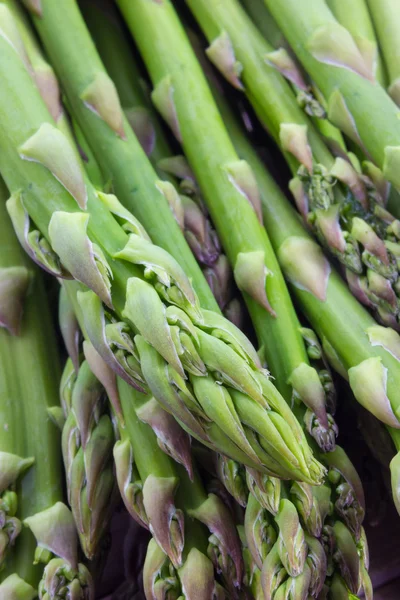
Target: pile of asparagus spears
[{"x": 130, "y": 175}]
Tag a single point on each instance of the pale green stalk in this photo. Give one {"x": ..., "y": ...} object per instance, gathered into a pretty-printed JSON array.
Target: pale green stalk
[{"x": 386, "y": 18}]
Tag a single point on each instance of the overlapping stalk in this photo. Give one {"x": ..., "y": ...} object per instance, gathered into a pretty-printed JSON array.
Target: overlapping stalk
[
  {"x": 342, "y": 71},
  {"x": 187, "y": 206},
  {"x": 162, "y": 496},
  {"x": 29, "y": 389},
  {"x": 344, "y": 207},
  {"x": 386, "y": 18},
  {"x": 87, "y": 442},
  {"x": 102, "y": 122},
  {"x": 134, "y": 279},
  {"x": 228, "y": 187}
]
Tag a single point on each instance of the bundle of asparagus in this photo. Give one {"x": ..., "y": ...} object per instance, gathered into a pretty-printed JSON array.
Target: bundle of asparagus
[{"x": 228, "y": 456}]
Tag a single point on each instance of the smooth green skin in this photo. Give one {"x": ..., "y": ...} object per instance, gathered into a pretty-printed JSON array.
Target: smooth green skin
[
  {"x": 268, "y": 91},
  {"x": 207, "y": 146},
  {"x": 299, "y": 19},
  {"x": 340, "y": 318},
  {"x": 28, "y": 387},
  {"x": 123, "y": 162},
  {"x": 268, "y": 26},
  {"x": 386, "y": 18},
  {"x": 354, "y": 15},
  {"x": 31, "y": 43},
  {"x": 117, "y": 56}
]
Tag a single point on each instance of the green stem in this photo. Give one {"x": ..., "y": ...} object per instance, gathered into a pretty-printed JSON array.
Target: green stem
[
  {"x": 209, "y": 152},
  {"x": 29, "y": 388},
  {"x": 270, "y": 94},
  {"x": 339, "y": 318},
  {"x": 117, "y": 56},
  {"x": 386, "y": 18}
]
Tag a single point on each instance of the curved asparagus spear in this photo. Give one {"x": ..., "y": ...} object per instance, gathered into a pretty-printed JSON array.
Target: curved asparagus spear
[
  {"x": 343, "y": 75},
  {"x": 313, "y": 505},
  {"x": 386, "y": 18},
  {"x": 132, "y": 277},
  {"x": 32, "y": 358},
  {"x": 228, "y": 188}
]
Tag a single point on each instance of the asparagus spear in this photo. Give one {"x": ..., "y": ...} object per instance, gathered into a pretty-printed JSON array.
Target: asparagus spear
[
  {"x": 255, "y": 267},
  {"x": 344, "y": 481},
  {"x": 85, "y": 433},
  {"x": 386, "y": 18},
  {"x": 156, "y": 492},
  {"x": 87, "y": 441},
  {"x": 92, "y": 97},
  {"x": 29, "y": 356},
  {"x": 188, "y": 208},
  {"x": 343, "y": 75},
  {"x": 94, "y": 247}
]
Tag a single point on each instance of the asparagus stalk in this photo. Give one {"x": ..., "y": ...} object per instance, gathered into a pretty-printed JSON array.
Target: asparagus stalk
[
  {"x": 188, "y": 208},
  {"x": 15, "y": 279},
  {"x": 386, "y": 18},
  {"x": 29, "y": 356},
  {"x": 307, "y": 97},
  {"x": 46, "y": 81},
  {"x": 343, "y": 75},
  {"x": 161, "y": 496},
  {"x": 94, "y": 247},
  {"x": 351, "y": 221},
  {"x": 87, "y": 441},
  {"x": 247, "y": 248},
  {"x": 86, "y": 431}
]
